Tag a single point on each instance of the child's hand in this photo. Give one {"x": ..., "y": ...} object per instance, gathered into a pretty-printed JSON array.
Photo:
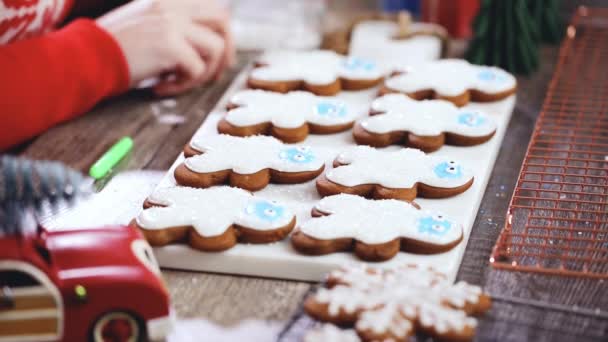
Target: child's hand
[{"x": 188, "y": 40}]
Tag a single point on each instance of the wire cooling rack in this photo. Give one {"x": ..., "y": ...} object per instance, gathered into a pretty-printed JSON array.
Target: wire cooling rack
[{"x": 558, "y": 217}]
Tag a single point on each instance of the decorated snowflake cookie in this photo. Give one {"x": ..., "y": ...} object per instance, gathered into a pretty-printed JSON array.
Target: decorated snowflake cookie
[
  {"x": 426, "y": 125},
  {"x": 321, "y": 72},
  {"x": 212, "y": 219},
  {"x": 399, "y": 174},
  {"x": 248, "y": 163},
  {"x": 289, "y": 117},
  {"x": 454, "y": 80},
  {"x": 391, "y": 304},
  {"x": 379, "y": 228}
]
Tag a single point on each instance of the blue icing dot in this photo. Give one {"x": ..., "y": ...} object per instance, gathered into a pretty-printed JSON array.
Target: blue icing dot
[
  {"x": 332, "y": 110},
  {"x": 448, "y": 169},
  {"x": 489, "y": 75},
  {"x": 299, "y": 155},
  {"x": 265, "y": 210},
  {"x": 355, "y": 63},
  {"x": 471, "y": 119},
  {"x": 434, "y": 225}
]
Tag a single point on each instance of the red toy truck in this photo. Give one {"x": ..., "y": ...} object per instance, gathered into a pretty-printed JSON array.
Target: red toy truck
[{"x": 99, "y": 284}]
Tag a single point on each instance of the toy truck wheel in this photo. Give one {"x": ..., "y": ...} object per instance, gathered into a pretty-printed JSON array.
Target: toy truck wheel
[{"x": 117, "y": 327}]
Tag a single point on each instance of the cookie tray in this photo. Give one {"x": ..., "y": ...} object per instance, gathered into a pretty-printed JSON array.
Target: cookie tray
[{"x": 280, "y": 260}]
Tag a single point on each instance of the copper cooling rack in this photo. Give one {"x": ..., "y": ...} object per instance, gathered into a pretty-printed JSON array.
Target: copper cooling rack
[{"x": 558, "y": 217}]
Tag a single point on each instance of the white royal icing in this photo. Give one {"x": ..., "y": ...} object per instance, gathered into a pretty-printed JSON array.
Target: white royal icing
[
  {"x": 386, "y": 319},
  {"x": 318, "y": 67},
  {"x": 211, "y": 211},
  {"x": 378, "y": 221},
  {"x": 401, "y": 168},
  {"x": 290, "y": 110},
  {"x": 398, "y": 112},
  {"x": 331, "y": 333},
  {"x": 249, "y": 155},
  {"x": 408, "y": 294},
  {"x": 375, "y": 40},
  {"x": 451, "y": 77}
]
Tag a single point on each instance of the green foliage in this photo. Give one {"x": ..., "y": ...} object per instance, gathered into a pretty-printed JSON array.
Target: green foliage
[
  {"x": 545, "y": 14},
  {"x": 506, "y": 35}
]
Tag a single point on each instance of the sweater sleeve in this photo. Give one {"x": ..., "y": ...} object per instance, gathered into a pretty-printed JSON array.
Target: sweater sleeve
[{"x": 55, "y": 77}]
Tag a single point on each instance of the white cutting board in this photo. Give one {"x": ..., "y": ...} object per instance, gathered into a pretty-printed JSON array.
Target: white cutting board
[{"x": 280, "y": 260}]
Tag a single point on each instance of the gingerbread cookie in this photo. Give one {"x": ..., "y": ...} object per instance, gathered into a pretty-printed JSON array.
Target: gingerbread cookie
[
  {"x": 212, "y": 219},
  {"x": 453, "y": 80},
  {"x": 398, "y": 174},
  {"x": 248, "y": 163},
  {"x": 392, "y": 304},
  {"x": 426, "y": 125},
  {"x": 381, "y": 41},
  {"x": 322, "y": 72},
  {"x": 376, "y": 230},
  {"x": 288, "y": 117}
]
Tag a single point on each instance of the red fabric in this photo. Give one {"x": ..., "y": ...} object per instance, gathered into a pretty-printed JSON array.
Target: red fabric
[{"x": 56, "y": 76}]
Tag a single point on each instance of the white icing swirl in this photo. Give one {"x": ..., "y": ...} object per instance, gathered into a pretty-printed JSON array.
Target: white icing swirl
[
  {"x": 378, "y": 221},
  {"x": 319, "y": 67},
  {"x": 211, "y": 211},
  {"x": 401, "y": 168},
  {"x": 425, "y": 118},
  {"x": 290, "y": 110},
  {"x": 452, "y": 77},
  {"x": 249, "y": 155}
]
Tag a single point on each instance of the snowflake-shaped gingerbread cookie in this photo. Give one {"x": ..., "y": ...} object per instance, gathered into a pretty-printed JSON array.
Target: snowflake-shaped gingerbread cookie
[
  {"x": 390, "y": 305},
  {"x": 400, "y": 174},
  {"x": 248, "y": 163},
  {"x": 322, "y": 72},
  {"x": 454, "y": 80},
  {"x": 288, "y": 117},
  {"x": 427, "y": 124},
  {"x": 212, "y": 219},
  {"x": 375, "y": 229}
]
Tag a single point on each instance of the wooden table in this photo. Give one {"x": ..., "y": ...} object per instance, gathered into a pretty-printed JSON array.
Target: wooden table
[{"x": 527, "y": 306}]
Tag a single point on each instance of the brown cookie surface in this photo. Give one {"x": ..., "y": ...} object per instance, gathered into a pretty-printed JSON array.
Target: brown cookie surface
[
  {"x": 453, "y": 80},
  {"x": 288, "y": 117},
  {"x": 212, "y": 220},
  {"x": 402, "y": 174},
  {"x": 426, "y": 125},
  {"x": 375, "y": 230},
  {"x": 321, "y": 72},
  {"x": 248, "y": 163}
]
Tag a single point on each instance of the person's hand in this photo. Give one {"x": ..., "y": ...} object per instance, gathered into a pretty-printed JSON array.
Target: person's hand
[{"x": 185, "y": 42}]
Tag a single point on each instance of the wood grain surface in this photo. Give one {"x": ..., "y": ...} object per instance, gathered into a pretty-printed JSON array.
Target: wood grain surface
[{"x": 527, "y": 306}]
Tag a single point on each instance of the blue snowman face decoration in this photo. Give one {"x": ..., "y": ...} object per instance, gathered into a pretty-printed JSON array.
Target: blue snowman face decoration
[
  {"x": 265, "y": 210},
  {"x": 356, "y": 64},
  {"x": 490, "y": 75},
  {"x": 298, "y": 155},
  {"x": 331, "y": 110},
  {"x": 448, "y": 169},
  {"x": 471, "y": 119},
  {"x": 435, "y": 225}
]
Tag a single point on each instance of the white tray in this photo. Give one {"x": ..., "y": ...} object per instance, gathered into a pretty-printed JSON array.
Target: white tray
[{"x": 280, "y": 260}]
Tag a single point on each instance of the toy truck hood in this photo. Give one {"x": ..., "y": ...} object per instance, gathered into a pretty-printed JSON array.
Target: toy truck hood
[{"x": 91, "y": 248}]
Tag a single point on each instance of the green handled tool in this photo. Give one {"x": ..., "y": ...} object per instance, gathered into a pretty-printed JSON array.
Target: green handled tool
[{"x": 109, "y": 159}]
